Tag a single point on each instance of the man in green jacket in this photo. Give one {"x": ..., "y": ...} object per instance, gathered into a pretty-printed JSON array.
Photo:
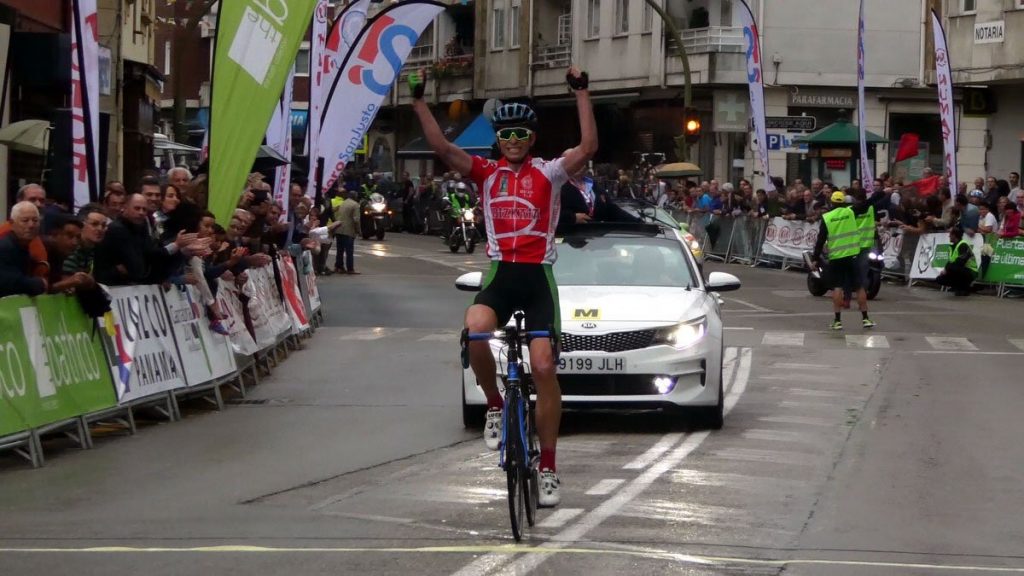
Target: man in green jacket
[{"x": 840, "y": 232}]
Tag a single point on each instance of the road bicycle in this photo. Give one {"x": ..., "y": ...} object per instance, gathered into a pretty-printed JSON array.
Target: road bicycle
[{"x": 519, "y": 454}]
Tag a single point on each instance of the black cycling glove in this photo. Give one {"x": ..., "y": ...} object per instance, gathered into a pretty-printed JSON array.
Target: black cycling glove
[{"x": 580, "y": 83}]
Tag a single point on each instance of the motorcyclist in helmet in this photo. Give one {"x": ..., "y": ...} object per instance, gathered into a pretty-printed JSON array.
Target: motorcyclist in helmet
[{"x": 458, "y": 199}]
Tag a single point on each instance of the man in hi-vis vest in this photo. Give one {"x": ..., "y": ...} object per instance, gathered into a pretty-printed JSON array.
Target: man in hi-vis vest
[{"x": 840, "y": 232}]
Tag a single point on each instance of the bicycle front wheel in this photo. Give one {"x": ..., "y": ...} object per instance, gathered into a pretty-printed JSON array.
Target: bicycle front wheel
[{"x": 514, "y": 466}]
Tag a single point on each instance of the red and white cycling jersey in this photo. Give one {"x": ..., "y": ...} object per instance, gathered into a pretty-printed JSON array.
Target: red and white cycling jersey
[{"x": 520, "y": 208}]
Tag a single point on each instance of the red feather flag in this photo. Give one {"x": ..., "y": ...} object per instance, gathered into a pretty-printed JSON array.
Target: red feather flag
[{"x": 908, "y": 147}]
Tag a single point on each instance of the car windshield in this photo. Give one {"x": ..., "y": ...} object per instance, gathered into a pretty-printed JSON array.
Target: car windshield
[{"x": 610, "y": 261}]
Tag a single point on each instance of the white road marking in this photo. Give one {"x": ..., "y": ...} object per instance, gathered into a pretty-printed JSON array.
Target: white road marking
[
  {"x": 778, "y": 436},
  {"x": 371, "y": 333},
  {"x": 803, "y": 420},
  {"x": 750, "y": 305},
  {"x": 560, "y": 517},
  {"x": 798, "y": 366},
  {"x": 605, "y": 487},
  {"x": 946, "y": 343},
  {"x": 654, "y": 452},
  {"x": 728, "y": 367},
  {"x": 826, "y": 393},
  {"x": 860, "y": 341},
  {"x": 617, "y": 502},
  {"x": 1018, "y": 343},
  {"x": 814, "y": 378},
  {"x": 974, "y": 352},
  {"x": 738, "y": 328},
  {"x": 783, "y": 339}
]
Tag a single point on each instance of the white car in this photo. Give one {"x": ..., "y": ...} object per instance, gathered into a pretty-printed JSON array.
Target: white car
[{"x": 641, "y": 329}]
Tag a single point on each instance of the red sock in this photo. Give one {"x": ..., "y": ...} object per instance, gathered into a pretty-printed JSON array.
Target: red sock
[
  {"x": 495, "y": 402},
  {"x": 547, "y": 459}
]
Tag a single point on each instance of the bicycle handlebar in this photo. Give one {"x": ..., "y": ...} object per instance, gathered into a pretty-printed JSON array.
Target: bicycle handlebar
[{"x": 500, "y": 334}]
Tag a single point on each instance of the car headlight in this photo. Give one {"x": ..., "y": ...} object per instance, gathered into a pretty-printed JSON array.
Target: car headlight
[
  {"x": 378, "y": 206},
  {"x": 873, "y": 255},
  {"x": 467, "y": 215},
  {"x": 684, "y": 334}
]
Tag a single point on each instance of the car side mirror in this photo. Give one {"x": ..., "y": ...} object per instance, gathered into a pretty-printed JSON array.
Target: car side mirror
[
  {"x": 722, "y": 282},
  {"x": 470, "y": 282}
]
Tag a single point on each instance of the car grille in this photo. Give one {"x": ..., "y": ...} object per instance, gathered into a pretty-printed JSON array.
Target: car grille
[
  {"x": 607, "y": 385},
  {"x": 614, "y": 342}
]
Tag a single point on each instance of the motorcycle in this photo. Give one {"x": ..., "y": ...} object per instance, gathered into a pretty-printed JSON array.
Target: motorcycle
[
  {"x": 464, "y": 232},
  {"x": 375, "y": 218},
  {"x": 818, "y": 285}
]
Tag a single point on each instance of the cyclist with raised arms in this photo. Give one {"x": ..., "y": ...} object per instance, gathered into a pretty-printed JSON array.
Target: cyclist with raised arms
[{"x": 520, "y": 199}]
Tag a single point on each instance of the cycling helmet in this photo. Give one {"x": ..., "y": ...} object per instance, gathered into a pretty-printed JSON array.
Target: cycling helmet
[{"x": 513, "y": 114}]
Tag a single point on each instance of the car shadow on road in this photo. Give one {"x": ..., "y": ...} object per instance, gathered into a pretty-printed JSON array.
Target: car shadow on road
[{"x": 622, "y": 422}]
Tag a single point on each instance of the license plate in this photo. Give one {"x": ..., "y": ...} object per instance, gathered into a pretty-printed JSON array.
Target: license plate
[{"x": 583, "y": 365}]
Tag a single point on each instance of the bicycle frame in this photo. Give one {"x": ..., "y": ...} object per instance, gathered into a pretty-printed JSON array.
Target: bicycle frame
[{"x": 517, "y": 420}]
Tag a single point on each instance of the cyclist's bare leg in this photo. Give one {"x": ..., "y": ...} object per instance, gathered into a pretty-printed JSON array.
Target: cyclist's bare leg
[
  {"x": 549, "y": 395},
  {"x": 862, "y": 299},
  {"x": 480, "y": 318}
]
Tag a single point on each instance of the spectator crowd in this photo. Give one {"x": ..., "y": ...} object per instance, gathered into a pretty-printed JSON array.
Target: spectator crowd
[{"x": 157, "y": 232}]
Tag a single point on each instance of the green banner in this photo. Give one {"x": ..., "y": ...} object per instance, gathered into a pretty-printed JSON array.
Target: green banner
[
  {"x": 257, "y": 41},
  {"x": 1007, "y": 265},
  {"x": 53, "y": 366}
]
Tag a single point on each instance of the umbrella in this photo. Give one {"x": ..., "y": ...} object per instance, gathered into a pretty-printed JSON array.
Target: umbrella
[
  {"x": 678, "y": 170},
  {"x": 31, "y": 136}
]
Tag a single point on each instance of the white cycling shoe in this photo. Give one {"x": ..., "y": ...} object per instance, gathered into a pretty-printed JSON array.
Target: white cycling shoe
[
  {"x": 549, "y": 496},
  {"x": 492, "y": 429}
]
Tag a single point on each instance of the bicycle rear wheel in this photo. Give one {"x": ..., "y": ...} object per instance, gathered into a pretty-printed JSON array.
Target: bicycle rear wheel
[{"x": 514, "y": 459}]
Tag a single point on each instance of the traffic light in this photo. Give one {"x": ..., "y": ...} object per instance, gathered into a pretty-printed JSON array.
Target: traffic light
[{"x": 691, "y": 126}]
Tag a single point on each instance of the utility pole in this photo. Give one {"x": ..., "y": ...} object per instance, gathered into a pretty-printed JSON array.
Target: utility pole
[{"x": 682, "y": 146}]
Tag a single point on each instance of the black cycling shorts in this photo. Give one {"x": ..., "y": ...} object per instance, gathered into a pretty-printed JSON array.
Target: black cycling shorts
[
  {"x": 845, "y": 273},
  {"x": 511, "y": 286}
]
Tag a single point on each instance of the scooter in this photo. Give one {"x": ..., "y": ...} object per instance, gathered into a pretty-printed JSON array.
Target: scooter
[
  {"x": 464, "y": 231},
  {"x": 375, "y": 217},
  {"x": 817, "y": 284}
]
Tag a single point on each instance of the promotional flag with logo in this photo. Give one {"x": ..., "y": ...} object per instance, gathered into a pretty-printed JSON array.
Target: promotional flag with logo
[
  {"x": 867, "y": 174},
  {"x": 279, "y": 137},
  {"x": 257, "y": 41},
  {"x": 944, "y": 79},
  {"x": 755, "y": 81},
  {"x": 85, "y": 102},
  {"x": 365, "y": 77},
  {"x": 317, "y": 79}
]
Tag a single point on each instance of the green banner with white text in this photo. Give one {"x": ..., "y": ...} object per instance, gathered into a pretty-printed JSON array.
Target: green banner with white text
[
  {"x": 52, "y": 365},
  {"x": 257, "y": 41}
]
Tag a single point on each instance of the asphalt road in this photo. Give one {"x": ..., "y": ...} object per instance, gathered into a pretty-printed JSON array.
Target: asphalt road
[{"x": 894, "y": 452}]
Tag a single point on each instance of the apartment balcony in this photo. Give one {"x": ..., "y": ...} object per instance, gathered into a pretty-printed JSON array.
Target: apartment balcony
[
  {"x": 558, "y": 56},
  {"x": 709, "y": 40}
]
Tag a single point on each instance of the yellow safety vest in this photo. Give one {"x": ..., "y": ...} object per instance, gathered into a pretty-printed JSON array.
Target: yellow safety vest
[
  {"x": 335, "y": 202},
  {"x": 843, "y": 236},
  {"x": 866, "y": 225},
  {"x": 971, "y": 263}
]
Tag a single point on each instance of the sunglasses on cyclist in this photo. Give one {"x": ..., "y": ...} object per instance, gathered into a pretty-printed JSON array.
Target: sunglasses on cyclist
[{"x": 506, "y": 134}]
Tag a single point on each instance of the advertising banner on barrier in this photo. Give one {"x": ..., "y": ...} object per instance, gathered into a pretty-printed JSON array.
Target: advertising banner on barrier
[
  {"x": 269, "y": 318},
  {"x": 140, "y": 344},
  {"x": 1007, "y": 264},
  {"x": 206, "y": 356},
  {"x": 892, "y": 245},
  {"x": 311, "y": 290},
  {"x": 933, "y": 254},
  {"x": 789, "y": 238},
  {"x": 53, "y": 367},
  {"x": 293, "y": 294},
  {"x": 229, "y": 298}
]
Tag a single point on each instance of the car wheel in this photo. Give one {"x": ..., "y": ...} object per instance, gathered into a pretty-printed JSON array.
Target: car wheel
[
  {"x": 874, "y": 285},
  {"x": 472, "y": 416}
]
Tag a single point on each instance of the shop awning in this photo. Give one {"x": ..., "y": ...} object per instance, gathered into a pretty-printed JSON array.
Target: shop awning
[
  {"x": 841, "y": 132},
  {"x": 478, "y": 137}
]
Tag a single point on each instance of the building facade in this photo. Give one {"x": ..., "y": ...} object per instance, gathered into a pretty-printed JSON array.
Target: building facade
[
  {"x": 35, "y": 50},
  {"x": 521, "y": 49},
  {"x": 986, "y": 47}
]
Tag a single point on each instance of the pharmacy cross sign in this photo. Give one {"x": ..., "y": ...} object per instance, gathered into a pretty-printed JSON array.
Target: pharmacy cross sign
[{"x": 730, "y": 113}]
